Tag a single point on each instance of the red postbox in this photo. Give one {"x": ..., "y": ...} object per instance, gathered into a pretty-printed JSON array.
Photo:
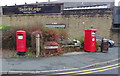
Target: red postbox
[
  {"x": 90, "y": 40},
  {"x": 21, "y": 41}
]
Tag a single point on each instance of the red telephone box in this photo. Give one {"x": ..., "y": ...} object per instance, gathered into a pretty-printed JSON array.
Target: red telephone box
[
  {"x": 90, "y": 40},
  {"x": 21, "y": 41}
]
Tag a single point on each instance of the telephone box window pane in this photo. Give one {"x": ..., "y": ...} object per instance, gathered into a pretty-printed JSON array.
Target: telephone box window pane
[{"x": 20, "y": 37}]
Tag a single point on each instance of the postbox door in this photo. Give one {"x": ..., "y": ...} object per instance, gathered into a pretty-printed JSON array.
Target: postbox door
[
  {"x": 20, "y": 41},
  {"x": 93, "y": 36},
  {"x": 93, "y": 41}
]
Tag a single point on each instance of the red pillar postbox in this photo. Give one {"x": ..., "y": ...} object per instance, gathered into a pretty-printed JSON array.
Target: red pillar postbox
[
  {"x": 90, "y": 40},
  {"x": 21, "y": 41}
]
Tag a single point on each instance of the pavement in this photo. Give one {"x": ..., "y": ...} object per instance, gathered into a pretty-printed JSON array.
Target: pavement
[{"x": 71, "y": 60}]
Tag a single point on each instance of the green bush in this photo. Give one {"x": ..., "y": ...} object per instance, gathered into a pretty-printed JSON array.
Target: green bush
[
  {"x": 81, "y": 39},
  {"x": 4, "y": 27},
  {"x": 8, "y": 39},
  {"x": 98, "y": 43},
  {"x": 9, "y": 36}
]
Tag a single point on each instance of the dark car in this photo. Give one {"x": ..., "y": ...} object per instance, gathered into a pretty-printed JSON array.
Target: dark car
[{"x": 111, "y": 43}]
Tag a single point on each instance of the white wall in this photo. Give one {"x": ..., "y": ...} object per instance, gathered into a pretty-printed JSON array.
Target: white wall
[{"x": 117, "y": 2}]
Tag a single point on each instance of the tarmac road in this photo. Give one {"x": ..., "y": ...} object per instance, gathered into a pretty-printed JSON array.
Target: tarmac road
[
  {"x": 105, "y": 70},
  {"x": 68, "y": 61}
]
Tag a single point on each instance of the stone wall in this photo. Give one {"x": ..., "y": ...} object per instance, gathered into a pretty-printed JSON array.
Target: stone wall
[
  {"x": 0, "y": 15},
  {"x": 75, "y": 23}
]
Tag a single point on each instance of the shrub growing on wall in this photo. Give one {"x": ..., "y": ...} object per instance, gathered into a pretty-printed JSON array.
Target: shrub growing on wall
[
  {"x": 8, "y": 38},
  {"x": 9, "y": 35},
  {"x": 63, "y": 35},
  {"x": 49, "y": 34}
]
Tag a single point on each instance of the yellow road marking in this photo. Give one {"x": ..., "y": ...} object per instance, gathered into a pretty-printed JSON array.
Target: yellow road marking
[
  {"x": 89, "y": 69},
  {"x": 85, "y": 72},
  {"x": 99, "y": 70}
]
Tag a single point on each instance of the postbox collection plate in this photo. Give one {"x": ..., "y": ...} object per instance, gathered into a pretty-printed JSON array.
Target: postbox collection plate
[{"x": 20, "y": 37}]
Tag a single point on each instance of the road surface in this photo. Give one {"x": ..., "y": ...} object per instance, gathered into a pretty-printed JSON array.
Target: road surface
[{"x": 72, "y": 62}]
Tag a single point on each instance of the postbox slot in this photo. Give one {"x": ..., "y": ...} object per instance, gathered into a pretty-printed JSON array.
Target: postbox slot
[
  {"x": 93, "y": 33},
  {"x": 20, "y": 34}
]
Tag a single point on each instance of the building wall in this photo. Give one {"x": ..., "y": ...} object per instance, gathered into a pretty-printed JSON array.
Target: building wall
[
  {"x": 119, "y": 3},
  {"x": 75, "y": 24},
  {"x": 85, "y": 0},
  {"x": 0, "y": 15},
  {"x": 115, "y": 35}
]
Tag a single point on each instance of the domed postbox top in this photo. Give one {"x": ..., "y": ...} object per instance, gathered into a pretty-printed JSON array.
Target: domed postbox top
[
  {"x": 90, "y": 30},
  {"x": 20, "y": 31}
]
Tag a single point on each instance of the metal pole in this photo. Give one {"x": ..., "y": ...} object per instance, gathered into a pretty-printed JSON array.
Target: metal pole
[{"x": 37, "y": 45}]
